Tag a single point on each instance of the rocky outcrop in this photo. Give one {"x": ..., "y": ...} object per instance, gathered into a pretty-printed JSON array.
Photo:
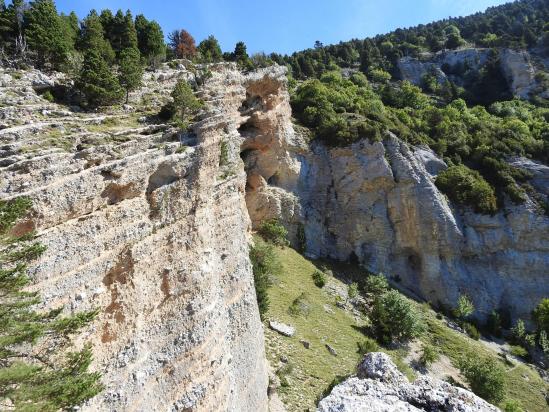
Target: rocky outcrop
[
  {"x": 380, "y": 387},
  {"x": 516, "y": 66},
  {"x": 376, "y": 204},
  {"x": 148, "y": 227}
]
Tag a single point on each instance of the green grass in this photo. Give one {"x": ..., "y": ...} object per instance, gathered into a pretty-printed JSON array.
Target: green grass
[{"x": 315, "y": 368}]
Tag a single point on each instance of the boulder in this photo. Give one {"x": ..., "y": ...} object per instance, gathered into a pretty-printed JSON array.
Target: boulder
[
  {"x": 380, "y": 387},
  {"x": 282, "y": 328}
]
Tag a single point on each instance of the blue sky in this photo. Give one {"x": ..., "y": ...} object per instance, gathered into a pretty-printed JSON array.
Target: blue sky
[{"x": 285, "y": 26}]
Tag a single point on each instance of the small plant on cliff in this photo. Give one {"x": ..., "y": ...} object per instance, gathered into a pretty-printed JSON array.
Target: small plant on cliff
[
  {"x": 464, "y": 308},
  {"x": 274, "y": 232},
  {"x": 394, "y": 318},
  {"x": 541, "y": 315},
  {"x": 319, "y": 278},
  {"x": 375, "y": 285},
  {"x": 300, "y": 306},
  {"x": 37, "y": 373},
  {"x": 485, "y": 376},
  {"x": 367, "y": 345},
  {"x": 184, "y": 105},
  {"x": 429, "y": 355},
  {"x": 265, "y": 267}
]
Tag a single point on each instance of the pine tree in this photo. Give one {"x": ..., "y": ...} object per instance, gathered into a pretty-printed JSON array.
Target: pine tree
[
  {"x": 11, "y": 25},
  {"x": 93, "y": 37},
  {"x": 45, "y": 33},
  {"x": 131, "y": 71},
  {"x": 241, "y": 56},
  {"x": 210, "y": 51},
  {"x": 35, "y": 376},
  {"x": 185, "y": 103},
  {"x": 97, "y": 82},
  {"x": 129, "y": 34},
  {"x": 150, "y": 40}
]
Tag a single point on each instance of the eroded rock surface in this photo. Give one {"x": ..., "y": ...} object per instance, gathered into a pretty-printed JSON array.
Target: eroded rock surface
[
  {"x": 152, "y": 232},
  {"x": 380, "y": 387}
]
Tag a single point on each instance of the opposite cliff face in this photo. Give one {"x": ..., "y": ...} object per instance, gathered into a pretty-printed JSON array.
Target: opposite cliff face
[
  {"x": 155, "y": 235},
  {"x": 376, "y": 204}
]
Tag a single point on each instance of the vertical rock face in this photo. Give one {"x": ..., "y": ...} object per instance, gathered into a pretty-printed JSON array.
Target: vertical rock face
[
  {"x": 157, "y": 240},
  {"x": 377, "y": 205},
  {"x": 516, "y": 66}
]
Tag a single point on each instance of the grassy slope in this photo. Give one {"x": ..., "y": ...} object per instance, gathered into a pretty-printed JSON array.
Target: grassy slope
[{"x": 315, "y": 368}]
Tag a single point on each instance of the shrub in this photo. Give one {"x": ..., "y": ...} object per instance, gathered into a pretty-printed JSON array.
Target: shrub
[
  {"x": 223, "y": 153},
  {"x": 429, "y": 355},
  {"x": 379, "y": 76},
  {"x": 395, "y": 319},
  {"x": 300, "y": 306},
  {"x": 485, "y": 376},
  {"x": 464, "y": 308},
  {"x": 367, "y": 345},
  {"x": 471, "y": 330},
  {"x": 48, "y": 96},
  {"x": 375, "y": 285},
  {"x": 518, "y": 331},
  {"x": 493, "y": 324},
  {"x": 319, "y": 278},
  {"x": 352, "y": 290},
  {"x": 518, "y": 351},
  {"x": 273, "y": 231},
  {"x": 512, "y": 406},
  {"x": 265, "y": 266},
  {"x": 467, "y": 187},
  {"x": 541, "y": 315}
]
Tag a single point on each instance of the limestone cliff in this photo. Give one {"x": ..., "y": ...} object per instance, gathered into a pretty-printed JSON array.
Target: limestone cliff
[
  {"x": 376, "y": 204},
  {"x": 154, "y": 233}
]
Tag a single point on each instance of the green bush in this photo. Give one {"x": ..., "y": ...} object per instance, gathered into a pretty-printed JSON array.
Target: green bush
[
  {"x": 471, "y": 330},
  {"x": 48, "y": 96},
  {"x": 467, "y": 187},
  {"x": 541, "y": 315},
  {"x": 493, "y": 325},
  {"x": 265, "y": 266},
  {"x": 485, "y": 376},
  {"x": 300, "y": 306},
  {"x": 367, "y": 345},
  {"x": 352, "y": 290},
  {"x": 394, "y": 318},
  {"x": 274, "y": 232},
  {"x": 429, "y": 355},
  {"x": 319, "y": 278},
  {"x": 375, "y": 285},
  {"x": 464, "y": 308},
  {"x": 512, "y": 406}
]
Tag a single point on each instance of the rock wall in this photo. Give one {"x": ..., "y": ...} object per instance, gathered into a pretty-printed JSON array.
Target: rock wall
[
  {"x": 516, "y": 66},
  {"x": 155, "y": 234},
  {"x": 377, "y": 205}
]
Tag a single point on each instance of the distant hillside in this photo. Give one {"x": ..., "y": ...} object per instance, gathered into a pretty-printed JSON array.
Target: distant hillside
[{"x": 518, "y": 25}]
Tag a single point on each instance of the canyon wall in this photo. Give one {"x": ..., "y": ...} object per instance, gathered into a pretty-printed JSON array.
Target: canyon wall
[
  {"x": 376, "y": 204},
  {"x": 154, "y": 233}
]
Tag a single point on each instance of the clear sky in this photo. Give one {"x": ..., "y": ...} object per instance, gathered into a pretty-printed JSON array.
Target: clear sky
[{"x": 285, "y": 26}]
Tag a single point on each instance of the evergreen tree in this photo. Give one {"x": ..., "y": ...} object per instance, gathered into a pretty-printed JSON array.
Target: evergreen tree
[
  {"x": 129, "y": 34},
  {"x": 210, "y": 51},
  {"x": 185, "y": 103},
  {"x": 150, "y": 40},
  {"x": 96, "y": 81},
  {"x": 34, "y": 374},
  {"x": 93, "y": 37},
  {"x": 131, "y": 71},
  {"x": 45, "y": 33},
  {"x": 11, "y": 25},
  {"x": 241, "y": 56},
  {"x": 71, "y": 28}
]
